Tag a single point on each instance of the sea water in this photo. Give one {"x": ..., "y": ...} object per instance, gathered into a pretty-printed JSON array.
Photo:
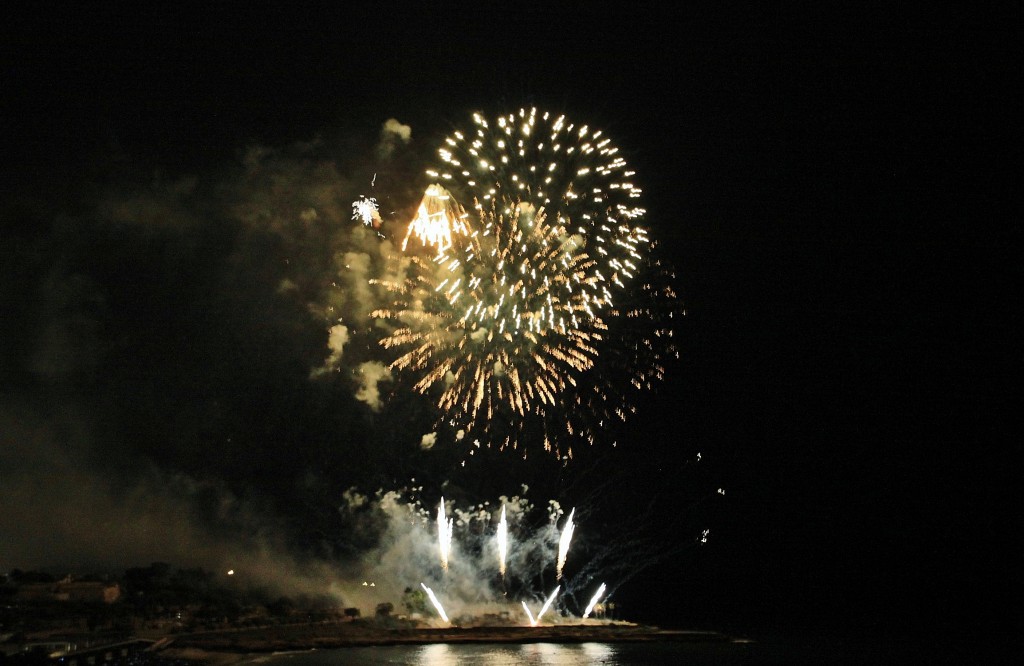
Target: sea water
[{"x": 533, "y": 654}]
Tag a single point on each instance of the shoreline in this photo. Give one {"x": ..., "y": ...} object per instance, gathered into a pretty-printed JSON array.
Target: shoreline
[{"x": 229, "y": 647}]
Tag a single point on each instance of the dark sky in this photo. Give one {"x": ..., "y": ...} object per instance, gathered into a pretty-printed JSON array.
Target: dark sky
[{"x": 821, "y": 180}]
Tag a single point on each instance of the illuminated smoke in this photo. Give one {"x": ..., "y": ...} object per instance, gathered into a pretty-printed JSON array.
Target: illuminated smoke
[
  {"x": 593, "y": 601},
  {"x": 563, "y": 543},
  {"x": 433, "y": 600},
  {"x": 370, "y": 374},
  {"x": 392, "y": 135}
]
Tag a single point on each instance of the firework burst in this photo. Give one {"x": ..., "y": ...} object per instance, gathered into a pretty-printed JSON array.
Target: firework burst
[
  {"x": 437, "y": 217},
  {"x": 570, "y": 170},
  {"x": 505, "y": 324}
]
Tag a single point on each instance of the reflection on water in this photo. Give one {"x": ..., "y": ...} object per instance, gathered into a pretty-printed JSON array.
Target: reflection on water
[
  {"x": 514, "y": 654},
  {"x": 533, "y": 654}
]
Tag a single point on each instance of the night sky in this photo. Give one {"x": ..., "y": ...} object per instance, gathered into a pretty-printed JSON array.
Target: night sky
[{"x": 824, "y": 182}]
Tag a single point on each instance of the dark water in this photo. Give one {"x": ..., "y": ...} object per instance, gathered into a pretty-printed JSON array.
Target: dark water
[
  {"x": 865, "y": 649},
  {"x": 534, "y": 654}
]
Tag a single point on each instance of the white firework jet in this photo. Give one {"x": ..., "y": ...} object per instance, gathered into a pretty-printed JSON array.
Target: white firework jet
[
  {"x": 563, "y": 543},
  {"x": 593, "y": 601},
  {"x": 445, "y": 529},
  {"x": 547, "y": 604},
  {"x": 502, "y": 538},
  {"x": 437, "y": 604},
  {"x": 529, "y": 614}
]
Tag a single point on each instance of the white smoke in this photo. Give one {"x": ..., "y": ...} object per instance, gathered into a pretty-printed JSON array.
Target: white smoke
[
  {"x": 369, "y": 375},
  {"x": 392, "y": 134},
  {"x": 336, "y": 341}
]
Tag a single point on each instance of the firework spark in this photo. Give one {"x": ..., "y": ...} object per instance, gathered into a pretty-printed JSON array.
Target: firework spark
[
  {"x": 593, "y": 601},
  {"x": 437, "y": 604},
  {"x": 563, "y": 543}
]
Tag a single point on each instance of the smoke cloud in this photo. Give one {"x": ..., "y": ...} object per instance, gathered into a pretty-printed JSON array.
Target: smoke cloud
[
  {"x": 370, "y": 374},
  {"x": 392, "y": 135}
]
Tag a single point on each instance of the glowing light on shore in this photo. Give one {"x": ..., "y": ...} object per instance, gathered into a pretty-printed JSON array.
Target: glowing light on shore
[
  {"x": 445, "y": 528},
  {"x": 437, "y": 604},
  {"x": 593, "y": 601},
  {"x": 502, "y": 541},
  {"x": 437, "y": 218},
  {"x": 563, "y": 543}
]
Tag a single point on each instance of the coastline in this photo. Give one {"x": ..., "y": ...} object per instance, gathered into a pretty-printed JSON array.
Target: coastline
[{"x": 230, "y": 647}]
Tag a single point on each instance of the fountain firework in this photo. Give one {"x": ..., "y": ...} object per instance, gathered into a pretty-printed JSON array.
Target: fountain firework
[
  {"x": 593, "y": 601},
  {"x": 444, "y": 534},
  {"x": 437, "y": 604},
  {"x": 502, "y": 542},
  {"x": 533, "y": 622},
  {"x": 547, "y": 604},
  {"x": 563, "y": 544}
]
